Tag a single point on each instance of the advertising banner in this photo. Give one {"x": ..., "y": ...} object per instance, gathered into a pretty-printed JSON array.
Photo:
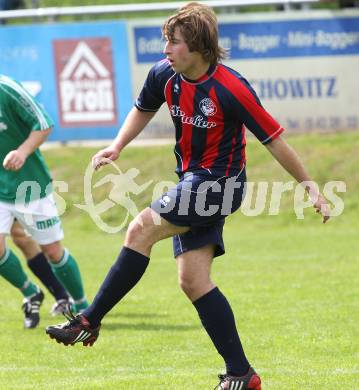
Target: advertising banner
[
  {"x": 85, "y": 82},
  {"x": 79, "y": 71},
  {"x": 303, "y": 65}
]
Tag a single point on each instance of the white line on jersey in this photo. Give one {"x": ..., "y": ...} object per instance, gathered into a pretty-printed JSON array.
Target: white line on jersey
[{"x": 23, "y": 93}]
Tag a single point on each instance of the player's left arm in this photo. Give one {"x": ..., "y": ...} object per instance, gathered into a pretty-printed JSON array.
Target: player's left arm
[
  {"x": 268, "y": 132},
  {"x": 290, "y": 161},
  {"x": 15, "y": 159}
]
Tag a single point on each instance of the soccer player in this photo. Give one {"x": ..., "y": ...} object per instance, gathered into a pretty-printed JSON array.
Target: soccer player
[
  {"x": 39, "y": 265},
  {"x": 26, "y": 194},
  {"x": 210, "y": 104}
]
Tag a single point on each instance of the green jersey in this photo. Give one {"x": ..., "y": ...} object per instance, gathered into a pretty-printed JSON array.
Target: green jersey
[{"x": 19, "y": 116}]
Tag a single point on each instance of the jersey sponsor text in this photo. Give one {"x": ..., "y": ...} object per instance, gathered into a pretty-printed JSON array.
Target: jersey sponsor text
[{"x": 197, "y": 121}]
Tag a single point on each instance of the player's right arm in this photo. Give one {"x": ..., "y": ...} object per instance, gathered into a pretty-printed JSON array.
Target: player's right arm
[
  {"x": 134, "y": 123},
  {"x": 15, "y": 159}
]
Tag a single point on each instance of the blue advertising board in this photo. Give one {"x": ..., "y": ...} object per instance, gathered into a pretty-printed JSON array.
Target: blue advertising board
[
  {"x": 79, "y": 71},
  {"x": 303, "y": 65},
  {"x": 268, "y": 39}
]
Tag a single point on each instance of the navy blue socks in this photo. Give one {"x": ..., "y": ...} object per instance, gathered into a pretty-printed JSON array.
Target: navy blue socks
[
  {"x": 41, "y": 268},
  {"x": 213, "y": 308},
  {"x": 122, "y": 277},
  {"x": 217, "y": 318}
]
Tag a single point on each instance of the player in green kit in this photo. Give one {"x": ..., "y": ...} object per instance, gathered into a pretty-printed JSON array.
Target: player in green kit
[{"x": 26, "y": 194}]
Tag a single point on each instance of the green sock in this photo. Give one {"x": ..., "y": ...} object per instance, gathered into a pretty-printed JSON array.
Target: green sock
[
  {"x": 68, "y": 273},
  {"x": 11, "y": 270},
  {"x": 81, "y": 305}
]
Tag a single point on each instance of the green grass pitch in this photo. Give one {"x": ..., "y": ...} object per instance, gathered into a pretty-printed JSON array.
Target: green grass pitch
[{"x": 293, "y": 285}]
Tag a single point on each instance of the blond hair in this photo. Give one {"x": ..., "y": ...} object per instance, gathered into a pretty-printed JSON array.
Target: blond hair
[{"x": 199, "y": 28}]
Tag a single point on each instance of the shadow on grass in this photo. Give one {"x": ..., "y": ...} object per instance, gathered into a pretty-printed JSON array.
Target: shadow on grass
[{"x": 151, "y": 327}]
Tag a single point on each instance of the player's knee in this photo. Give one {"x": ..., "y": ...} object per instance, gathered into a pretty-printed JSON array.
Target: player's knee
[
  {"x": 26, "y": 244},
  {"x": 142, "y": 231},
  {"x": 17, "y": 240},
  {"x": 188, "y": 284},
  {"x": 54, "y": 252},
  {"x": 135, "y": 233},
  {"x": 18, "y": 234},
  {"x": 21, "y": 241}
]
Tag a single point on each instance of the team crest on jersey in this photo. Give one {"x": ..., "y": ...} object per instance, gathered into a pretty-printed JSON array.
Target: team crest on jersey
[{"x": 208, "y": 107}]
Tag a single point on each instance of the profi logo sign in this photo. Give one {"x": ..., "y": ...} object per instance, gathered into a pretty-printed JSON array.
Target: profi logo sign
[{"x": 85, "y": 82}]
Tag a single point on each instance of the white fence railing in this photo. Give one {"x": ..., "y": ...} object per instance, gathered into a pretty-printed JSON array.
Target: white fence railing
[{"x": 55, "y": 12}]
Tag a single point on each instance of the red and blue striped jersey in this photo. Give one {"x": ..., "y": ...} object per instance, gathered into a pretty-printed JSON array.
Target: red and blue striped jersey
[{"x": 210, "y": 116}]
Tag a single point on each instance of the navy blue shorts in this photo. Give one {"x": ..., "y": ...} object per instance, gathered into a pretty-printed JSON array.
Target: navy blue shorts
[{"x": 202, "y": 202}]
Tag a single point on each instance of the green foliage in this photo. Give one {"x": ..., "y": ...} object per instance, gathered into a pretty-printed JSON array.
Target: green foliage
[{"x": 293, "y": 286}]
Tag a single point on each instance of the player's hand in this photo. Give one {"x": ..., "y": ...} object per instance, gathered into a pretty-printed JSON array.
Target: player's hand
[
  {"x": 105, "y": 156},
  {"x": 14, "y": 160},
  {"x": 321, "y": 206}
]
